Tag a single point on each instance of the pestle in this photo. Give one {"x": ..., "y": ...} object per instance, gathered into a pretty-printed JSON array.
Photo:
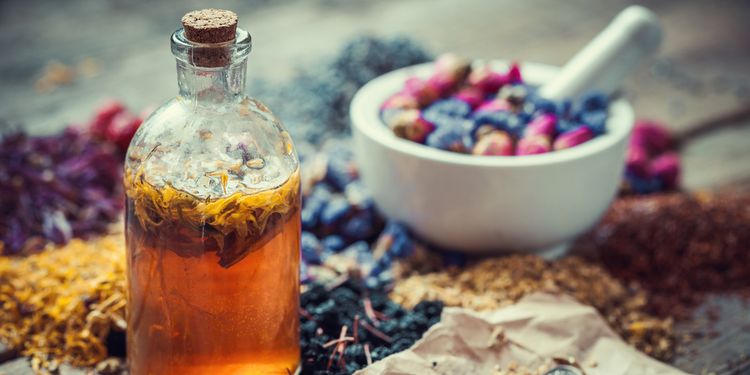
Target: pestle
[{"x": 603, "y": 63}]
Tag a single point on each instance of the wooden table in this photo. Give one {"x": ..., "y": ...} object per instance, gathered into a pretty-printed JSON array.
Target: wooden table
[{"x": 699, "y": 84}]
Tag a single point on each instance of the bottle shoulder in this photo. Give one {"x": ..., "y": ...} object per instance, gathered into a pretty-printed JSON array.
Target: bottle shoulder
[{"x": 212, "y": 151}]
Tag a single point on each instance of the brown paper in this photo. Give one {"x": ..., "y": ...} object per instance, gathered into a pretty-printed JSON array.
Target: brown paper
[{"x": 539, "y": 327}]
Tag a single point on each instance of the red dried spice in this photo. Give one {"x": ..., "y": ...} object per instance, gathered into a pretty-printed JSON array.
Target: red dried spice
[{"x": 677, "y": 245}]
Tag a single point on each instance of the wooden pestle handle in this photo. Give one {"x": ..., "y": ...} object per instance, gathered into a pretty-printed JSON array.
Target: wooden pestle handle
[{"x": 632, "y": 36}]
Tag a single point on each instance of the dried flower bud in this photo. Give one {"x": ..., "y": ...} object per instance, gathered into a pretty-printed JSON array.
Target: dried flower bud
[
  {"x": 651, "y": 136},
  {"x": 421, "y": 91},
  {"x": 573, "y": 137},
  {"x": 636, "y": 161},
  {"x": 535, "y": 144},
  {"x": 513, "y": 76},
  {"x": 666, "y": 168},
  {"x": 541, "y": 125},
  {"x": 453, "y": 65},
  {"x": 401, "y": 100},
  {"x": 486, "y": 80},
  {"x": 494, "y": 143},
  {"x": 495, "y": 105},
  {"x": 450, "y": 72},
  {"x": 483, "y": 130},
  {"x": 410, "y": 125},
  {"x": 471, "y": 95}
]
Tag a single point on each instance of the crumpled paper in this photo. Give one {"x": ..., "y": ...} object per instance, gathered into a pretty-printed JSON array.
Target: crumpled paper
[{"x": 529, "y": 333}]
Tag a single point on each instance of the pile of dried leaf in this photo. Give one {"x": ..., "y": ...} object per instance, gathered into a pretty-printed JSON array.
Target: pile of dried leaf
[
  {"x": 60, "y": 306},
  {"x": 498, "y": 282}
]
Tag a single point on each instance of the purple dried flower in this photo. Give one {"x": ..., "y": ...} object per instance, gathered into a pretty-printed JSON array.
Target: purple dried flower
[{"x": 57, "y": 187}]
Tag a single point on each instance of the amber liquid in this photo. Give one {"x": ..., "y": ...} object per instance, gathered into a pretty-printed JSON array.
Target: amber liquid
[{"x": 190, "y": 315}]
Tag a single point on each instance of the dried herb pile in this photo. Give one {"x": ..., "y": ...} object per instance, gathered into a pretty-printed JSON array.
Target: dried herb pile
[
  {"x": 498, "y": 282},
  {"x": 677, "y": 245},
  {"x": 64, "y": 304},
  {"x": 54, "y": 188},
  {"x": 347, "y": 326}
]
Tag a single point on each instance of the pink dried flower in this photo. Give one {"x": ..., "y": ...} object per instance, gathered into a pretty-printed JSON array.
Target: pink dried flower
[
  {"x": 410, "y": 125},
  {"x": 450, "y": 72},
  {"x": 573, "y": 137},
  {"x": 651, "y": 136},
  {"x": 636, "y": 161},
  {"x": 471, "y": 95},
  {"x": 535, "y": 144},
  {"x": 421, "y": 91},
  {"x": 513, "y": 75},
  {"x": 486, "y": 80},
  {"x": 401, "y": 100},
  {"x": 542, "y": 125},
  {"x": 666, "y": 168},
  {"x": 494, "y": 143},
  {"x": 495, "y": 105}
]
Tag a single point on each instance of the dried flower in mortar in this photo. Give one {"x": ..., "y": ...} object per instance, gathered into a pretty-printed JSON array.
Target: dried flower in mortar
[{"x": 489, "y": 99}]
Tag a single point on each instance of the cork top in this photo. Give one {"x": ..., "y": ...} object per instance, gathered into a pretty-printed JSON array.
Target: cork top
[{"x": 210, "y": 25}]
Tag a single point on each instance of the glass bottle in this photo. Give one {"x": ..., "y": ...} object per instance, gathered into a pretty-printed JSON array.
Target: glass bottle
[{"x": 212, "y": 225}]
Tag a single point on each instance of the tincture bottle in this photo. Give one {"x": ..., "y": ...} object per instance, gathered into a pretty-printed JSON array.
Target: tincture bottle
[{"x": 213, "y": 219}]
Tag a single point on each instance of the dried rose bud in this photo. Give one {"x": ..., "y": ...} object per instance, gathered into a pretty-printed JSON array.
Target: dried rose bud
[
  {"x": 471, "y": 96},
  {"x": 401, "y": 100},
  {"x": 486, "y": 80},
  {"x": 542, "y": 125},
  {"x": 494, "y": 105},
  {"x": 103, "y": 118},
  {"x": 122, "y": 128},
  {"x": 410, "y": 125},
  {"x": 513, "y": 76},
  {"x": 652, "y": 136},
  {"x": 495, "y": 143},
  {"x": 389, "y": 114},
  {"x": 483, "y": 130},
  {"x": 421, "y": 91},
  {"x": 535, "y": 144},
  {"x": 450, "y": 72},
  {"x": 666, "y": 168},
  {"x": 453, "y": 65},
  {"x": 573, "y": 137},
  {"x": 636, "y": 161}
]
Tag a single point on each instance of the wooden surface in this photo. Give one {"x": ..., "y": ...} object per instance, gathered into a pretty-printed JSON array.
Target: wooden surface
[{"x": 701, "y": 77}]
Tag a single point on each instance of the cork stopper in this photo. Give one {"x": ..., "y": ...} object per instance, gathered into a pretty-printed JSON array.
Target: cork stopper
[
  {"x": 211, "y": 30},
  {"x": 210, "y": 26}
]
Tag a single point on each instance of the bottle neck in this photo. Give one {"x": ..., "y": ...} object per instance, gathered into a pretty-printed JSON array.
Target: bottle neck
[{"x": 211, "y": 85}]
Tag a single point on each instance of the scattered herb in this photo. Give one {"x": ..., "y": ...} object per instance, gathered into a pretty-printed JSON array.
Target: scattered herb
[
  {"x": 677, "y": 245},
  {"x": 66, "y": 304},
  {"x": 54, "y": 188},
  {"x": 498, "y": 282},
  {"x": 347, "y": 326}
]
